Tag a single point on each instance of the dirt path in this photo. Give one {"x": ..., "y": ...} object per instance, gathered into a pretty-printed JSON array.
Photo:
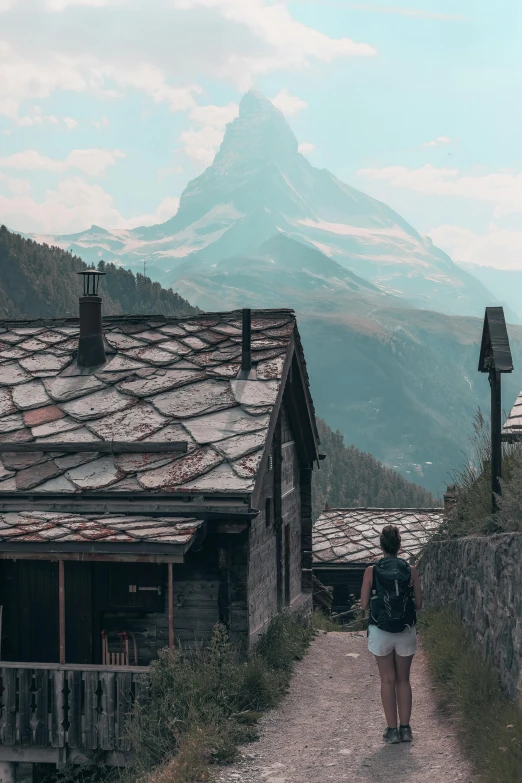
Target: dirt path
[{"x": 329, "y": 727}]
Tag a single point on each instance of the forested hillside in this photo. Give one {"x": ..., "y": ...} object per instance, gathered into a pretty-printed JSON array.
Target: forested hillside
[
  {"x": 38, "y": 281},
  {"x": 351, "y": 478}
]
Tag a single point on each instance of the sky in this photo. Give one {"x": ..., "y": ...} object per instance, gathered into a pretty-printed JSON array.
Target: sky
[{"x": 108, "y": 108}]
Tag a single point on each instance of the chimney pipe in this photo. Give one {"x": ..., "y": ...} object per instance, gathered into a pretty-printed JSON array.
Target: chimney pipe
[
  {"x": 246, "y": 352},
  {"x": 91, "y": 350},
  {"x": 450, "y": 498}
]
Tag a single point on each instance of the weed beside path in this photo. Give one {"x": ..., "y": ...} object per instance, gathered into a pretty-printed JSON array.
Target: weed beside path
[
  {"x": 329, "y": 727},
  {"x": 489, "y": 725}
]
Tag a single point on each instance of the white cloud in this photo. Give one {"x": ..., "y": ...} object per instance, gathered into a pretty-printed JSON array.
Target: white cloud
[
  {"x": 20, "y": 187},
  {"x": 200, "y": 144},
  {"x": 21, "y": 79},
  {"x": 498, "y": 247},
  {"x": 5, "y": 5},
  {"x": 437, "y": 142},
  {"x": 291, "y": 43},
  {"x": 100, "y": 124},
  {"x": 73, "y": 206},
  {"x": 60, "y": 5},
  {"x": 70, "y": 123},
  {"x": 287, "y": 103},
  {"x": 91, "y": 161},
  {"x": 215, "y": 116},
  {"x": 162, "y": 50},
  {"x": 413, "y": 12},
  {"x": 149, "y": 79},
  {"x": 502, "y": 189},
  {"x": 305, "y": 147},
  {"x": 165, "y": 210}
]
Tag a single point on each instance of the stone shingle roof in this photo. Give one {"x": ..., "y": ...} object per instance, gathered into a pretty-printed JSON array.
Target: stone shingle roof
[
  {"x": 351, "y": 535},
  {"x": 46, "y": 527},
  {"x": 512, "y": 428},
  {"x": 165, "y": 379}
]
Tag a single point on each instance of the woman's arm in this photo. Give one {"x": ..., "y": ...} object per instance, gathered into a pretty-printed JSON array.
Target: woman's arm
[
  {"x": 366, "y": 588},
  {"x": 417, "y": 591}
]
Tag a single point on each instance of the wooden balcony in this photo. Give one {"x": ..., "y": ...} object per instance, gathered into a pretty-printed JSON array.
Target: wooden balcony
[{"x": 54, "y": 712}]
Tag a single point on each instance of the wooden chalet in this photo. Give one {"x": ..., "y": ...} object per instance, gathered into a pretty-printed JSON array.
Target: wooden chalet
[
  {"x": 346, "y": 542},
  {"x": 155, "y": 478}
]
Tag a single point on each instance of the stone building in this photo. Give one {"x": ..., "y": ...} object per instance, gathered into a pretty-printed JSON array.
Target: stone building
[
  {"x": 346, "y": 542},
  {"x": 155, "y": 478}
]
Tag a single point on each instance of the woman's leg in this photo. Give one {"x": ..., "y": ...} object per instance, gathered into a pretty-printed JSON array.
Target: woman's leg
[
  {"x": 403, "y": 687},
  {"x": 386, "y": 667}
]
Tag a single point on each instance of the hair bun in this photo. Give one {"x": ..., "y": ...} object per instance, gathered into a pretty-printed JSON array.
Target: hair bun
[{"x": 390, "y": 539}]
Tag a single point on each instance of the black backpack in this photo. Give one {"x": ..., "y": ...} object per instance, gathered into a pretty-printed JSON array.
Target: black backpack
[{"x": 392, "y": 606}]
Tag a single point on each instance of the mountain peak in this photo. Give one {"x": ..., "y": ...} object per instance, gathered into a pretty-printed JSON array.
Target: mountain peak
[
  {"x": 254, "y": 102},
  {"x": 259, "y": 132}
]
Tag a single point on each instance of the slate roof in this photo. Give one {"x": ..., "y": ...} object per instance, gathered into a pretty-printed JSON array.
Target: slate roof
[
  {"x": 166, "y": 379},
  {"x": 46, "y": 527},
  {"x": 512, "y": 429},
  {"x": 351, "y": 535}
]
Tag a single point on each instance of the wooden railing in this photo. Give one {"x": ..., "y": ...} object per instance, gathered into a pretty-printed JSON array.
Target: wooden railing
[{"x": 66, "y": 706}]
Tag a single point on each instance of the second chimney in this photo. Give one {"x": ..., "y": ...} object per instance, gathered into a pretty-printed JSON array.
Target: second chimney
[
  {"x": 246, "y": 352},
  {"x": 91, "y": 350}
]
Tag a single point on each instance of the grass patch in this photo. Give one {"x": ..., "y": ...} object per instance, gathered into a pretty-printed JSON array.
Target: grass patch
[
  {"x": 472, "y": 514},
  {"x": 323, "y": 622},
  {"x": 199, "y": 708},
  {"x": 490, "y": 726}
]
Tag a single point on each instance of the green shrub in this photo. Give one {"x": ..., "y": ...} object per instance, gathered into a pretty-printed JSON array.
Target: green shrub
[
  {"x": 490, "y": 726},
  {"x": 204, "y": 704}
]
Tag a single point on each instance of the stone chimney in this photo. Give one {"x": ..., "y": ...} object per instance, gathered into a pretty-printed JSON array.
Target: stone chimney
[
  {"x": 450, "y": 498},
  {"x": 91, "y": 349}
]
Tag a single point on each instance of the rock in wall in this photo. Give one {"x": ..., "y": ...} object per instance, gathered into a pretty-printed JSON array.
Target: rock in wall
[{"x": 481, "y": 577}]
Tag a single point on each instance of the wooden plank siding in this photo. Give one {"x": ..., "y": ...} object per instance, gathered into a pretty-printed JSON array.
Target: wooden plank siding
[{"x": 275, "y": 559}]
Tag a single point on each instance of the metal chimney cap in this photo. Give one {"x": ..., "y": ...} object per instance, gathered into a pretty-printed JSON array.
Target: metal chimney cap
[{"x": 91, "y": 281}]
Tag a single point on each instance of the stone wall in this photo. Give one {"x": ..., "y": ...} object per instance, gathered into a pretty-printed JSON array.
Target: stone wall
[{"x": 481, "y": 577}]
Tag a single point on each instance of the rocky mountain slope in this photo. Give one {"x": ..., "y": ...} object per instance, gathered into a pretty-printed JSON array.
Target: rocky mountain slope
[{"x": 504, "y": 284}]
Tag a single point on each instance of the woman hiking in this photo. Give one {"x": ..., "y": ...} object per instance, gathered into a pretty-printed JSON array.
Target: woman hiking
[{"x": 391, "y": 591}]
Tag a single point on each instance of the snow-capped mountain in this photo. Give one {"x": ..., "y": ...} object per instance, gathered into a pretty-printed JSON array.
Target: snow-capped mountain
[{"x": 258, "y": 187}]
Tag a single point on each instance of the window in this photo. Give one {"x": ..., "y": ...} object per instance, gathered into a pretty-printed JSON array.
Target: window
[
  {"x": 268, "y": 512},
  {"x": 270, "y": 462}
]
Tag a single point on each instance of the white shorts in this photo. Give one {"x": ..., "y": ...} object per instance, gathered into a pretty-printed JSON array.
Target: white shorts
[{"x": 383, "y": 643}]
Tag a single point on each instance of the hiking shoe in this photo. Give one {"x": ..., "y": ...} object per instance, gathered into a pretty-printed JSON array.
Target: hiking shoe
[
  {"x": 405, "y": 734},
  {"x": 391, "y": 736}
]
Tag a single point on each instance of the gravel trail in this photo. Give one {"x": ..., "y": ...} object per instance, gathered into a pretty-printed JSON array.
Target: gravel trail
[{"x": 329, "y": 726}]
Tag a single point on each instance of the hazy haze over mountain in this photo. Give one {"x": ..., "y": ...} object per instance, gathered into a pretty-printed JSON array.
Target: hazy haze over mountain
[{"x": 260, "y": 186}]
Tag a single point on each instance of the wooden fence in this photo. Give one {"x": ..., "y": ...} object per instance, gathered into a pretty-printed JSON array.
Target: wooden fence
[{"x": 72, "y": 707}]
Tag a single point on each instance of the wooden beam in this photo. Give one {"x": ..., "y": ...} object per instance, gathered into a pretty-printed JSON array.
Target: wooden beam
[
  {"x": 496, "y": 436},
  {"x": 61, "y": 602},
  {"x": 89, "y": 557},
  {"x": 171, "y": 606}
]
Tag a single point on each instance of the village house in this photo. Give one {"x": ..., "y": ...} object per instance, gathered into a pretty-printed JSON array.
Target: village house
[
  {"x": 346, "y": 542},
  {"x": 155, "y": 479}
]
